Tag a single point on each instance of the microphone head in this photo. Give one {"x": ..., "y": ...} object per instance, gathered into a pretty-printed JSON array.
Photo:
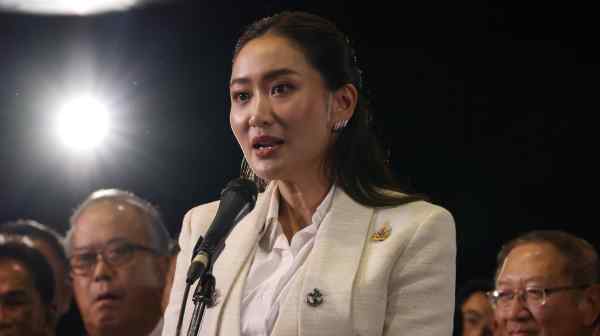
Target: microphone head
[
  {"x": 243, "y": 188},
  {"x": 237, "y": 200}
]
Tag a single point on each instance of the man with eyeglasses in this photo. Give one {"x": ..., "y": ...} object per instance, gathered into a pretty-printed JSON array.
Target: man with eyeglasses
[
  {"x": 119, "y": 256},
  {"x": 547, "y": 284}
]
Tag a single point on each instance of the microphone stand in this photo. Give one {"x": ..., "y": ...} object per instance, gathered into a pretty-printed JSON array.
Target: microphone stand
[
  {"x": 182, "y": 309},
  {"x": 204, "y": 296}
]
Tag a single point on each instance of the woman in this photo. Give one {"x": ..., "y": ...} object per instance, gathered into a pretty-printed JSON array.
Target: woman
[{"x": 332, "y": 247}]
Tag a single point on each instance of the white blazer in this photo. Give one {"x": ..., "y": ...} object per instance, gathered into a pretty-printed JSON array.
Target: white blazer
[{"x": 403, "y": 285}]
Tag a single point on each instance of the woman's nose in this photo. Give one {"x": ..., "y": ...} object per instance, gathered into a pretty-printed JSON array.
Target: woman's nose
[{"x": 261, "y": 114}]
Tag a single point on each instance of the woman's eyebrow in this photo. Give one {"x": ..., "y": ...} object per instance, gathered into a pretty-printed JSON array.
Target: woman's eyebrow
[{"x": 268, "y": 76}]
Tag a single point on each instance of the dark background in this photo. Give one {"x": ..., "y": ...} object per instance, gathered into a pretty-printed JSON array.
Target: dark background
[{"x": 487, "y": 108}]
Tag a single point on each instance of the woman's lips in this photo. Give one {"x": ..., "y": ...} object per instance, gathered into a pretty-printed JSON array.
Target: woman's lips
[
  {"x": 266, "y": 151},
  {"x": 265, "y": 146}
]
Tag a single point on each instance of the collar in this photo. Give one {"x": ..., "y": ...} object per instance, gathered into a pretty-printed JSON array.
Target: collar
[{"x": 271, "y": 228}]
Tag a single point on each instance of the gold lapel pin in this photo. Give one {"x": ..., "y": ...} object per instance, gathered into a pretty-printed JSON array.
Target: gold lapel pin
[{"x": 382, "y": 233}]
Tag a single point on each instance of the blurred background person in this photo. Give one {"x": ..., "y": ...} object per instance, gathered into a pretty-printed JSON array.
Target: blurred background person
[
  {"x": 547, "y": 284},
  {"x": 474, "y": 312},
  {"x": 51, "y": 244},
  {"x": 119, "y": 256},
  {"x": 26, "y": 291}
]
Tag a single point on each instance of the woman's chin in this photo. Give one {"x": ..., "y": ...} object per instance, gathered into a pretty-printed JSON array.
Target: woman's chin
[
  {"x": 266, "y": 177},
  {"x": 268, "y": 173}
]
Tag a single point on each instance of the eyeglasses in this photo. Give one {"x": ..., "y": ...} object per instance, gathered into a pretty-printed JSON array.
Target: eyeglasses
[
  {"x": 114, "y": 254},
  {"x": 533, "y": 297}
]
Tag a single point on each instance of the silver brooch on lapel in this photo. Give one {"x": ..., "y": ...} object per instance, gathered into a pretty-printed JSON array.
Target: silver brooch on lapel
[{"x": 314, "y": 298}]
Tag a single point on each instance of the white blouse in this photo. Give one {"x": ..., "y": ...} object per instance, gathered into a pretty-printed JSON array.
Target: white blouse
[{"x": 276, "y": 263}]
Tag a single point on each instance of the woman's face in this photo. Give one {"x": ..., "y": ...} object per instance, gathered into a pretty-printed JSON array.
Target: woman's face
[{"x": 281, "y": 110}]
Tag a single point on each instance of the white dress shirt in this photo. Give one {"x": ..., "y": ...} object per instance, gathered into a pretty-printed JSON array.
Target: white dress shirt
[{"x": 276, "y": 263}]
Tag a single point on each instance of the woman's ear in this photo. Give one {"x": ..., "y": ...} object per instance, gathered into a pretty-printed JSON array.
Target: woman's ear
[{"x": 345, "y": 100}]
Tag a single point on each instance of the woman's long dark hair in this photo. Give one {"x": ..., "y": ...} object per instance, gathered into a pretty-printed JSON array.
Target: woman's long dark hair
[{"x": 356, "y": 161}]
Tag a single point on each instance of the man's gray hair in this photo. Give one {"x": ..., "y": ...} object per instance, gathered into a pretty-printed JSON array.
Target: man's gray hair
[
  {"x": 162, "y": 239},
  {"x": 583, "y": 264}
]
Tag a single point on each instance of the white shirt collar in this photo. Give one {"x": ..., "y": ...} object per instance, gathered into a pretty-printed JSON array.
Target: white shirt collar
[{"x": 270, "y": 231}]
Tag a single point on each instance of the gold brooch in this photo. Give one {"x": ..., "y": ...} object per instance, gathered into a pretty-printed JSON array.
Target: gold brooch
[{"x": 382, "y": 233}]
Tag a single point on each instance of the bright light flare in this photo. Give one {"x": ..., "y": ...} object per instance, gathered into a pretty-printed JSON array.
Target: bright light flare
[
  {"x": 68, "y": 7},
  {"x": 82, "y": 123}
]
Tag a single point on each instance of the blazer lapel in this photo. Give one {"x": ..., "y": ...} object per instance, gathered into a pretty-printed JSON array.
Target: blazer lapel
[
  {"x": 332, "y": 267},
  {"x": 232, "y": 263}
]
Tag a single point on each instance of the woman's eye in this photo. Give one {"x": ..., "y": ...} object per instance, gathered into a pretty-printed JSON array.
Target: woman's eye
[{"x": 280, "y": 89}]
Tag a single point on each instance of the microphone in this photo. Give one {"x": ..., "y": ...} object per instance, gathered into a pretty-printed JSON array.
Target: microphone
[{"x": 237, "y": 200}]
